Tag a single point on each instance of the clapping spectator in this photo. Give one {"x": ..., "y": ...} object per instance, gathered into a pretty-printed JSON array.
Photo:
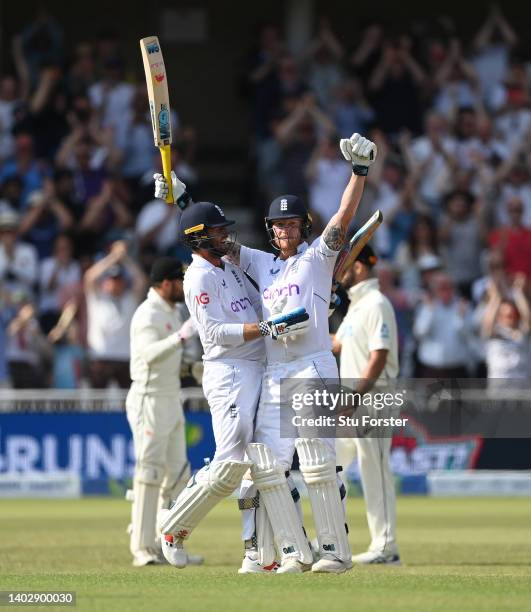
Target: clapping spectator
[
  {"x": 68, "y": 351},
  {"x": 107, "y": 215},
  {"x": 506, "y": 327},
  {"x": 27, "y": 349},
  {"x": 296, "y": 134},
  {"x": 59, "y": 278},
  {"x": 421, "y": 246},
  {"x": 24, "y": 165},
  {"x": 350, "y": 110},
  {"x": 44, "y": 220},
  {"x": 18, "y": 260},
  {"x": 395, "y": 86},
  {"x": 111, "y": 95},
  {"x": 492, "y": 44},
  {"x": 461, "y": 239},
  {"x": 432, "y": 157},
  {"x": 114, "y": 286},
  {"x": 514, "y": 240},
  {"x": 325, "y": 72},
  {"x": 457, "y": 83},
  {"x": 83, "y": 70},
  {"x": 442, "y": 328}
]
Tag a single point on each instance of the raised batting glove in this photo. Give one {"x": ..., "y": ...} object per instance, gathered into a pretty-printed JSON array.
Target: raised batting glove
[
  {"x": 292, "y": 323},
  {"x": 180, "y": 195},
  {"x": 360, "y": 151}
]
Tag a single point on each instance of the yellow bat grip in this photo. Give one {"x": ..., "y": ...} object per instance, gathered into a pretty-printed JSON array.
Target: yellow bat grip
[{"x": 165, "y": 153}]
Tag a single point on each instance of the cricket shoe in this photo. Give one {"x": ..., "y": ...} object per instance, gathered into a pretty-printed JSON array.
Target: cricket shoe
[
  {"x": 173, "y": 550},
  {"x": 331, "y": 565},
  {"x": 376, "y": 558},
  {"x": 293, "y": 566},
  {"x": 191, "y": 558},
  {"x": 146, "y": 557},
  {"x": 251, "y": 565}
]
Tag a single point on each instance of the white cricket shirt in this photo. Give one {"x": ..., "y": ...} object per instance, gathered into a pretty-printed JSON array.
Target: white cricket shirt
[
  {"x": 219, "y": 304},
  {"x": 369, "y": 325},
  {"x": 156, "y": 348},
  {"x": 305, "y": 279}
]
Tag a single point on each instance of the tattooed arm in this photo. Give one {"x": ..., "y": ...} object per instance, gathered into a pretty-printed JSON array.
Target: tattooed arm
[{"x": 336, "y": 230}]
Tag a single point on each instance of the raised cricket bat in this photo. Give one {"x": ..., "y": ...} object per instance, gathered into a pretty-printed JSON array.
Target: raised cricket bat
[
  {"x": 347, "y": 257},
  {"x": 159, "y": 103}
]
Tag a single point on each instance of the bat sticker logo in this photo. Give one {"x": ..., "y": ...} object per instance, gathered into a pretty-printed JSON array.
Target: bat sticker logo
[
  {"x": 159, "y": 77},
  {"x": 153, "y": 48},
  {"x": 164, "y": 122}
]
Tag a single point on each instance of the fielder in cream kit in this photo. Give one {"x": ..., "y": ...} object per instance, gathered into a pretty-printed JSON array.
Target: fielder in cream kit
[
  {"x": 216, "y": 293},
  {"x": 154, "y": 411},
  {"x": 368, "y": 345}
]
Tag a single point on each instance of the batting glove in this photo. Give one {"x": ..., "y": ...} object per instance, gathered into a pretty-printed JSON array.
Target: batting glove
[
  {"x": 180, "y": 195},
  {"x": 360, "y": 151},
  {"x": 292, "y": 323}
]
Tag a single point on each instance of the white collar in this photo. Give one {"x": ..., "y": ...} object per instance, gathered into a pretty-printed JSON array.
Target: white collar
[
  {"x": 201, "y": 262},
  {"x": 300, "y": 249},
  {"x": 154, "y": 297},
  {"x": 356, "y": 292}
]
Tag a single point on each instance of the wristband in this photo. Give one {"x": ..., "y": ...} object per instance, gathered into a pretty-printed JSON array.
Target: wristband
[
  {"x": 264, "y": 328},
  {"x": 360, "y": 170},
  {"x": 184, "y": 200}
]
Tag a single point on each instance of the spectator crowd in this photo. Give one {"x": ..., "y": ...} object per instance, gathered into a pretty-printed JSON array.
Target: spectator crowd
[{"x": 451, "y": 117}]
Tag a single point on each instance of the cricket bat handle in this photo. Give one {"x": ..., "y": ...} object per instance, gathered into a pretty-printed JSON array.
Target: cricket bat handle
[{"x": 165, "y": 153}]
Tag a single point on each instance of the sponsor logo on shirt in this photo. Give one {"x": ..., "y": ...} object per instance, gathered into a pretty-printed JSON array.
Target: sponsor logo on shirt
[
  {"x": 289, "y": 290},
  {"x": 273, "y": 272},
  {"x": 241, "y": 304},
  {"x": 202, "y": 298},
  {"x": 384, "y": 331}
]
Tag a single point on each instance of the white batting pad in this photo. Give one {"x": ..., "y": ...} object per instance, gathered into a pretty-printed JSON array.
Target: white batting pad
[
  {"x": 265, "y": 539},
  {"x": 318, "y": 468},
  {"x": 203, "y": 492},
  {"x": 173, "y": 484},
  {"x": 144, "y": 517},
  {"x": 269, "y": 477}
]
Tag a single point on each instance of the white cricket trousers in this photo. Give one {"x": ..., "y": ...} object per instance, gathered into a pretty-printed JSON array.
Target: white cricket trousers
[
  {"x": 158, "y": 427},
  {"x": 319, "y": 367},
  {"x": 232, "y": 389},
  {"x": 378, "y": 486}
]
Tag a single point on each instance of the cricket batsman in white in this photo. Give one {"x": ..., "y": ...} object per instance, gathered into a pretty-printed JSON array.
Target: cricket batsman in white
[
  {"x": 298, "y": 276},
  {"x": 233, "y": 342},
  {"x": 154, "y": 411}
]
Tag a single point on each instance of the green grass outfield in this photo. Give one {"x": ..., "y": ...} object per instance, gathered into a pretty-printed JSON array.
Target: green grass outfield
[{"x": 459, "y": 554}]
